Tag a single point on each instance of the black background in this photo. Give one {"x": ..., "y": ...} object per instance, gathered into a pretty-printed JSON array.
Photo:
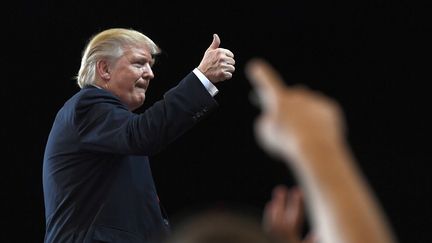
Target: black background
[{"x": 371, "y": 56}]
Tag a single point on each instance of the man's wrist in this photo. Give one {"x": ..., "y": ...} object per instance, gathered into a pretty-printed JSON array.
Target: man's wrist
[{"x": 211, "y": 88}]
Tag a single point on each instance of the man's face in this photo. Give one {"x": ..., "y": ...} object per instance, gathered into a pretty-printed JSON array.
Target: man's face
[{"x": 130, "y": 76}]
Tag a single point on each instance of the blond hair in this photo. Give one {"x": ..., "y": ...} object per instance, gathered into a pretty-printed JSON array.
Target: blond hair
[{"x": 109, "y": 44}]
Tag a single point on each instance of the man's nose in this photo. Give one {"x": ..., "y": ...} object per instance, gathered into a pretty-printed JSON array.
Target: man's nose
[{"x": 147, "y": 71}]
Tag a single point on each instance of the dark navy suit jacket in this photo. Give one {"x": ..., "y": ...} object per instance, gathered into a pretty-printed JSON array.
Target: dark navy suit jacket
[{"x": 97, "y": 182}]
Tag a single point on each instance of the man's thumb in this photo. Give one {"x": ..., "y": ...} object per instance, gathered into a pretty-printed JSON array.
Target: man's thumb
[{"x": 216, "y": 42}]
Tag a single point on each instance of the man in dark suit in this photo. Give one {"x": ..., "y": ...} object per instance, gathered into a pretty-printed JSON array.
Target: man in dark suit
[{"x": 97, "y": 181}]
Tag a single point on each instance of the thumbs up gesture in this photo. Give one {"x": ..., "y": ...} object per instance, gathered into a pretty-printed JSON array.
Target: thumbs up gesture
[{"x": 218, "y": 63}]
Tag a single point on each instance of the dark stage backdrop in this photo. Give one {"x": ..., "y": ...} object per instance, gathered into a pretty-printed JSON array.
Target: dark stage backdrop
[{"x": 371, "y": 56}]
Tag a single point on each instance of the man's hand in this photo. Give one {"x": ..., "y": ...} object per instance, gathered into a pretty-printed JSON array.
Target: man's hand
[{"x": 218, "y": 63}]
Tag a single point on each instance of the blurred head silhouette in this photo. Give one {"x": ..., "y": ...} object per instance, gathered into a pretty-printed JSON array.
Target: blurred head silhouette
[{"x": 219, "y": 227}]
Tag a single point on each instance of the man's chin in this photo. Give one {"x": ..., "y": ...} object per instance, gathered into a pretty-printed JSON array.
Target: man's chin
[
  {"x": 142, "y": 99},
  {"x": 138, "y": 102}
]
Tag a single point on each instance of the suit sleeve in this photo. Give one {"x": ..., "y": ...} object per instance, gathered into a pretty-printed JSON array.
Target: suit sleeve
[{"x": 105, "y": 125}]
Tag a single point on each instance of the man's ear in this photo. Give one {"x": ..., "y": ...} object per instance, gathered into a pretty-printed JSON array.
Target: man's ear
[{"x": 102, "y": 69}]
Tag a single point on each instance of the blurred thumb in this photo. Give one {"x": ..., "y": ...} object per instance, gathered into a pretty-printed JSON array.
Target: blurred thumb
[{"x": 216, "y": 42}]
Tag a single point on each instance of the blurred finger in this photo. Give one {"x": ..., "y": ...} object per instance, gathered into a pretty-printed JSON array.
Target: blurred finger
[
  {"x": 310, "y": 238},
  {"x": 273, "y": 213},
  {"x": 266, "y": 82},
  {"x": 294, "y": 210},
  {"x": 263, "y": 76}
]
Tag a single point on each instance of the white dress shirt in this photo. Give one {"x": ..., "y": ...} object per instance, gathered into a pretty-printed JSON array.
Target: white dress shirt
[{"x": 211, "y": 88}]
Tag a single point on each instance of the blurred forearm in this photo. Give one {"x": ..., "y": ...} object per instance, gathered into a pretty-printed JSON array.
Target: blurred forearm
[{"x": 342, "y": 205}]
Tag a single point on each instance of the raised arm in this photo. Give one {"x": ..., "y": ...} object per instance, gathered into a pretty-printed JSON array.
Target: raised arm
[{"x": 306, "y": 130}]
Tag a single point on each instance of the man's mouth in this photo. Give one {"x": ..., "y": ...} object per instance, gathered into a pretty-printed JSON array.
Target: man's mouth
[{"x": 141, "y": 86}]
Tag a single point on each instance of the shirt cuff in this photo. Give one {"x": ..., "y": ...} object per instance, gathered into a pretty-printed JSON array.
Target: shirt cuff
[{"x": 211, "y": 88}]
